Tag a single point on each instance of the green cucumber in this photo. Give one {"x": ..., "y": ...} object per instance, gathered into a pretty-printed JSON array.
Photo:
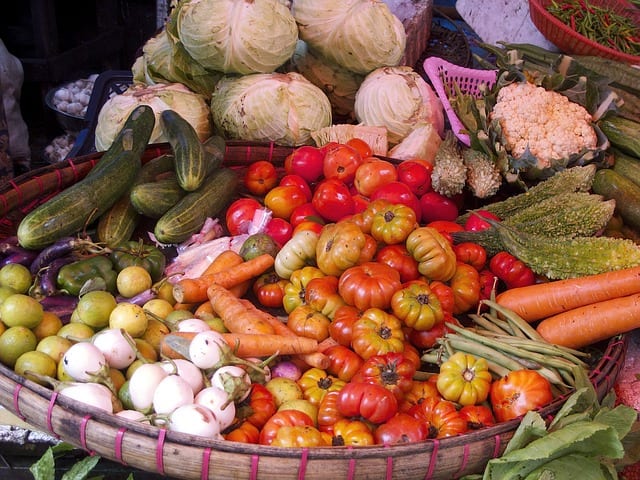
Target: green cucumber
[
  {"x": 76, "y": 207},
  {"x": 611, "y": 185},
  {"x": 189, "y": 214},
  {"x": 627, "y": 166},
  {"x": 154, "y": 199},
  {"x": 622, "y": 133},
  {"x": 190, "y": 164}
]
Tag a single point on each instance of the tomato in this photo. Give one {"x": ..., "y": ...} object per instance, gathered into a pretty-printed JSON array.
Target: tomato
[
  {"x": 340, "y": 246},
  {"x": 471, "y": 253},
  {"x": 281, "y": 200},
  {"x": 519, "y": 392},
  {"x": 360, "y": 203},
  {"x": 341, "y": 162},
  {"x": 416, "y": 175},
  {"x": 401, "y": 428},
  {"x": 279, "y": 229},
  {"x": 300, "y": 436},
  {"x": 465, "y": 284},
  {"x": 280, "y": 419},
  {"x": 304, "y": 321},
  {"x": 512, "y": 271},
  {"x": 351, "y": 433},
  {"x": 258, "y": 407},
  {"x": 363, "y": 148},
  {"x": 308, "y": 225},
  {"x": 377, "y": 332},
  {"x": 392, "y": 370},
  {"x": 372, "y": 174},
  {"x": 441, "y": 416},
  {"x": 297, "y": 180},
  {"x": 246, "y": 432},
  {"x": 322, "y": 295},
  {"x": 328, "y": 414},
  {"x": 295, "y": 289},
  {"x": 306, "y": 161},
  {"x": 343, "y": 362},
  {"x": 487, "y": 282},
  {"x": 475, "y": 222},
  {"x": 398, "y": 192},
  {"x": 304, "y": 212},
  {"x": 316, "y": 383},
  {"x": 398, "y": 257},
  {"x": 433, "y": 252},
  {"x": 393, "y": 224},
  {"x": 465, "y": 379},
  {"x": 446, "y": 228},
  {"x": 370, "y": 284},
  {"x": 260, "y": 177},
  {"x": 427, "y": 338},
  {"x": 417, "y": 306},
  {"x": 445, "y": 294},
  {"x": 419, "y": 390},
  {"x": 269, "y": 290},
  {"x": 341, "y": 328},
  {"x": 436, "y": 206},
  {"x": 332, "y": 200},
  {"x": 367, "y": 400},
  {"x": 477, "y": 416},
  {"x": 240, "y": 214}
]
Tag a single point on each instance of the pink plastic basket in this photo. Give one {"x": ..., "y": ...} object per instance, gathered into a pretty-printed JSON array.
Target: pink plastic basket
[{"x": 444, "y": 75}]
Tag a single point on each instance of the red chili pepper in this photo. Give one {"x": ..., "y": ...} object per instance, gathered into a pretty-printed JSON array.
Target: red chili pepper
[{"x": 512, "y": 271}]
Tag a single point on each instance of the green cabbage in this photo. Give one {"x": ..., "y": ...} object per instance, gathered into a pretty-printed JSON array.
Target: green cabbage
[
  {"x": 269, "y": 107},
  {"x": 236, "y": 36},
  {"x": 175, "y": 96},
  {"x": 359, "y": 35}
]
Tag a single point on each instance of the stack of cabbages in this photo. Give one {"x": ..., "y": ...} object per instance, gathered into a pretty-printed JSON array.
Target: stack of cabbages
[{"x": 277, "y": 71}]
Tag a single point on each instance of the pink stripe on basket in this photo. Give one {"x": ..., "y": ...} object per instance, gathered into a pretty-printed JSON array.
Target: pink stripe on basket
[
  {"x": 16, "y": 405},
  {"x": 59, "y": 175},
  {"x": 52, "y": 403},
  {"x": 118, "y": 445},
  {"x": 159, "y": 449},
  {"x": 303, "y": 463},
  {"x": 465, "y": 459},
  {"x": 83, "y": 435},
  {"x": 206, "y": 455},
  {"x": 271, "y": 148},
  {"x": 248, "y": 155},
  {"x": 351, "y": 471},
  {"x": 16, "y": 187},
  {"x": 389, "y": 472},
  {"x": 433, "y": 460},
  {"x": 74, "y": 169},
  {"x": 496, "y": 449},
  {"x": 254, "y": 467}
]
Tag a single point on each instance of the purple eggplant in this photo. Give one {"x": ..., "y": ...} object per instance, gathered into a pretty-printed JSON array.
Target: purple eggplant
[
  {"x": 20, "y": 255},
  {"x": 63, "y": 247},
  {"x": 141, "y": 298},
  {"x": 60, "y": 305},
  {"x": 10, "y": 245},
  {"x": 48, "y": 276}
]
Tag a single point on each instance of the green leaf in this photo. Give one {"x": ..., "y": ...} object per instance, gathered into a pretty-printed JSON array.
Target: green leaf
[
  {"x": 532, "y": 426},
  {"x": 569, "y": 467},
  {"x": 621, "y": 418},
  {"x": 81, "y": 468},
  {"x": 582, "y": 400},
  {"x": 44, "y": 468}
]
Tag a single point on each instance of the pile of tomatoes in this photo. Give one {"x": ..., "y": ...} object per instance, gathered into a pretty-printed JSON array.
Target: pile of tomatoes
[{"x": 368, "y": 268}]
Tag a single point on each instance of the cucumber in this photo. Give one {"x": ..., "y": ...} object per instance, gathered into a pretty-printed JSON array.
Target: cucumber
[
  {"x": 73, "y": 209},
  {"x": 154, "y": 199},
  {"x": 622, "y": 133},
  {"x": 627, "y": 166},
  {"x": 190, "y": 164},
  {"x": 189, "y": 214},
  {"x": 611, "y": 185}
]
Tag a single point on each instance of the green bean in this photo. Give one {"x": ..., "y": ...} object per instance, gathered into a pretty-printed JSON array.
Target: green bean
[{"x": 515, "y": 319}]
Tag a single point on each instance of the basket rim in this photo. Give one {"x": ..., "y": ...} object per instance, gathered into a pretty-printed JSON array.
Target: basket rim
[{"x": 538, "y": 11}]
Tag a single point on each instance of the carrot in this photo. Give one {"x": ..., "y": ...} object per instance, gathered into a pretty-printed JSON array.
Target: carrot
[
  {"x": 234, "y": 314},
  {"x": 543, "y": 300},
  {"x": 225, "y": 260},
  {"x": 592, "y": 323},
  {"x": 185, "y": 306},
  {"x": 315, "y": 359},
  {"x": 251, "y": 345},
  {"x": 194, "y": 290},
  {"x": 205, "y": 309},
  {"x": 327, "y": 343}
]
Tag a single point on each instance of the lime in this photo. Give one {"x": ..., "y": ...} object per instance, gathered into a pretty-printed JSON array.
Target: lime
[
  {"x": 95, "y": 307},
  {"x": 158, "y": 307},
  {"x": 16, "y": 276},
  {"x": 36, "y": 362},
  {"x": 130, "y": 317},
  {"x": 133, "y": 280},
  {"x": 14, "y": 342},
  {"x": 55, "y": 346},
  {"x": 5, "y": 292},
  {"x": 21, "y": 310},
  {"x": 76, "y": 331}
]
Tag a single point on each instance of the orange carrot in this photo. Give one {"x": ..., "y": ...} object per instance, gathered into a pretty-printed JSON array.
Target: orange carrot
[
  {"x": 194, "y": 290},
  {"x": 315, "y": 359},
  {"x": 235, "y": 316},
  {"x": 225, "y": 260},
  {"x": 185, "y": 306},
  {"x": 204, "y": 309},
  {"x": 543, "y": 300},
  {"x": 592, "y": 323},
  {"x": 327, "y": 343},
  {"x": 250, "y": 345}
]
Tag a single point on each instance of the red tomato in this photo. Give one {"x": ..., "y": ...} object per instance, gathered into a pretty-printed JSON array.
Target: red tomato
[
  {"x": 372, "y": 174},
  {"x": 360, "y": 203},
  {"x": 308, "y": 225},
  {"x": 303, "y": 212},
  {"x": 446, "y": 227},
  {"x": 260, "y": 177},
  {"x": 370, "y": 401},
  {"x": 398, "y": 257},
  {"x": 332, "y": 200},
  {"x": 475, "y": 222},
  {"x": 297, "y": 180},
  {"x": 240, "y": 214},
  {"x": 518, "y": 392},
  {"x": 416, "y": 175},
  {"x": 306, "y": 161},
  {"x": 341, "y": 162},
  {"x": 269, "y": 289},
  {"x": 282, "y": 418},
  {"x": 477, "y": 416},
  {"x": 438, "y": 207},
  {"x": 398, "y": 192},
  {"x": 280, "y": 230},
  {"x": 361, "y": 146},
  {"x": 423, "y": 339},
  {"x": 401, "y": 428},
  {"x": 281, "y": 200},
  {"x": 344, "y": 363}
]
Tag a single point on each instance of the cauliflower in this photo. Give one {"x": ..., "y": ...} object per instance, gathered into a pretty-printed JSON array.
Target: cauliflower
[
  {"x": 449, "y": 174},
  {"x": 546, "y": 123}
]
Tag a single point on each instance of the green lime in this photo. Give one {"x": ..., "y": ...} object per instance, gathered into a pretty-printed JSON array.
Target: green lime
[
  {"x": 54, "y": 346},
  {"x": 95, "y": 307},
  {"x": 76, "y": 331},
  {"x": 16, "y": 276},
  {"x": 5, "y": 292},
  {"x": 21, "y": 310},
  {"x": 14, "y": 342},
  {"x": 36, "y": 362}
]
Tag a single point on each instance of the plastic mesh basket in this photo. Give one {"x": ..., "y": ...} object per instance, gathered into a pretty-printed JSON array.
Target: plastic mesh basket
[{"x": 444, "y": 75}]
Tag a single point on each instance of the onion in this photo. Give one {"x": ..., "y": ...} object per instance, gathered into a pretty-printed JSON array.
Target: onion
[{"x": 287, "y": 369}]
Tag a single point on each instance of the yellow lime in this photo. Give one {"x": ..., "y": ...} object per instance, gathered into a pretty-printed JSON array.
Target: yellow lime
[
  {"x": 16, "y": 276},
  {"x": 38, "y": 363},
  {"x": 14, "y": 342},
  {"x": 21, "y": 310}
]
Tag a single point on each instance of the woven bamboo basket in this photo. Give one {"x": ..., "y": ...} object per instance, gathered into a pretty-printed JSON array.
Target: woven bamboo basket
[{"x": 184, "y": 456}]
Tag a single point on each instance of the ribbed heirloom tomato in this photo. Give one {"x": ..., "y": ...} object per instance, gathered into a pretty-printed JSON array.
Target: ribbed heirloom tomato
[{"x": 519, "y": 392}]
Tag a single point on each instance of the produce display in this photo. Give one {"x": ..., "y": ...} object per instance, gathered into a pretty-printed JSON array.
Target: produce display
[{"x": 340, "y": 296}]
